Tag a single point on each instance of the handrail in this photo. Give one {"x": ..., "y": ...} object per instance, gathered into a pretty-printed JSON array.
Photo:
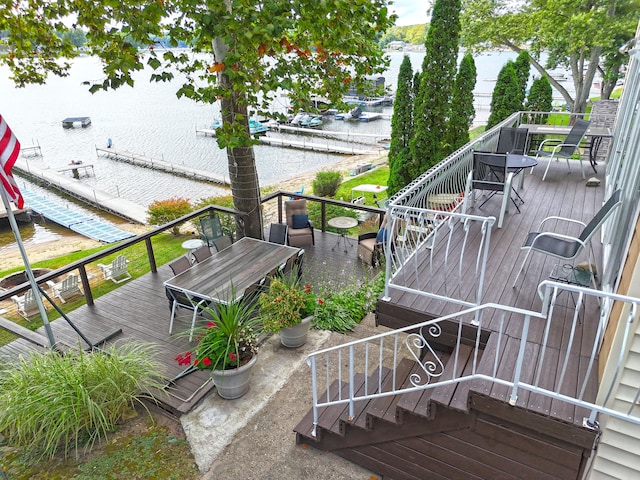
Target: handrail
[{"x": 423, "y": 343}]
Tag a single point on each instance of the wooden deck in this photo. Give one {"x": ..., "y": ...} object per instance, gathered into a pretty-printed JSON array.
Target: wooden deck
[
  {"x": 141, "y": 309},
  {"x": 563, "y": 195}
]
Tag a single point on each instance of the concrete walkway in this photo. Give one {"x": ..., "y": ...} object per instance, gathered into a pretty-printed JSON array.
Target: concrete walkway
[{"x": 252, "y": 437}]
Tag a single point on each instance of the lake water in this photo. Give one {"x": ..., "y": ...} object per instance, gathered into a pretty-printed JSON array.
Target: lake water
[{"x": 149, "y": 119}]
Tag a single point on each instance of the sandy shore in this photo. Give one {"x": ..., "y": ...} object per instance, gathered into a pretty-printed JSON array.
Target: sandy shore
[{"x": 72, "y": 243}]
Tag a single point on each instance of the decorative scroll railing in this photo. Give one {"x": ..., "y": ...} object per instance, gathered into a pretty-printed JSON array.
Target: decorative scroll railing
[
  {"x": 545, "y": 361},
  {"x": 433, "y": 253}
]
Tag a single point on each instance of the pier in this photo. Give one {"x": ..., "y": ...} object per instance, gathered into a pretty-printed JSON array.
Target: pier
[
  {"x": 318, "y": 147},
  {"x": 77, "y": 168},
  {"x": 31, "y": 151},
  {"x": 71, "y": 122},
  {"x": 162, "y": 165},
  {"x": 75, "y": 188}
]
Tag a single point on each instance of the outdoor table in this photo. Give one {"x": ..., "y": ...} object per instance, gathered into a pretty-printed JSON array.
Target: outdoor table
[
  {"x": 191, "y": 245},
  {"x": 516, "y": 163},
  {"x": 342, "y": 224},
  {"x": 368, "y": 188},
  {"x": 594, "y": 132},
  {"x": 241, "y": 265}
]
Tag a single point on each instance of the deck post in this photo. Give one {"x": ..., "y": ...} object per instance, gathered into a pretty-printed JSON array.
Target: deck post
[{"x": 516, "y": 376}]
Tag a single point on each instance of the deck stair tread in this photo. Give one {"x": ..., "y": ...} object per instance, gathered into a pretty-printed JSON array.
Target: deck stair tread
[
  {"x": 305, "y": 426},
  {"x": 384, "y": 407},
  {"x": 360, "y": 417},
  {"x": 445, "y": 394},
  {"x": 329, "y": 416},
  {"x": 418, "y": 402}
]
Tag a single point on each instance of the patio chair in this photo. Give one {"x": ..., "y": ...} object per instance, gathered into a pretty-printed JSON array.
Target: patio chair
[
  {"x": 67, "y": 288},
  {"x": 512, "y": 140},
  {"x": 222, "y": 242},
  {"x": 211, "y": 229},
  {"x": 300, "y": 231},
  {"x": 495, "y": 179},
  {"x": 116, "y": 271},
  {"x": 567, "y": 247},
  {"x": 180, "y": 265},
  {"x": 181, "y": 299},
  {"x": 27, "y": 304},
  {"x": 564, "y": 149},
  {"x": 371, "y": 244},
  {"x": 278, "y": 233},
  {"x": 201, "y": 253}
]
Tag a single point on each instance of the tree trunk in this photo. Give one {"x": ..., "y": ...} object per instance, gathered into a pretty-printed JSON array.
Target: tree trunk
[{"x": 243, "y": 174}]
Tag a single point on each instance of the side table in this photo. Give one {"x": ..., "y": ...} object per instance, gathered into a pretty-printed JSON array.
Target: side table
[
  {"x": 191, "y": 245},
  {"x": 342, "y": 224}
]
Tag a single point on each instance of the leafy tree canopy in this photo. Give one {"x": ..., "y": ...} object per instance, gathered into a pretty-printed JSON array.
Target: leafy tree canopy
[{"x": 574, "y": 33}]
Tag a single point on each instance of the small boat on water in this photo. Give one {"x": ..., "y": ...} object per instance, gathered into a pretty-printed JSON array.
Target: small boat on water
[
  {"x": 306, "y": 120},
  {"x": 255, "y": 127}
]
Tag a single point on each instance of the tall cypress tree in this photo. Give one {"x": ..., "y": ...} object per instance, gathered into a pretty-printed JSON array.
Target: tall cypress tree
[
  {"x": 522, "y": 65},
  {"x": 436, "y": 83},
  {"x": 505, "y": 99},
  {"x": 540, "y": 98},
  {"x": 462, "y": 110},
  {"x": 401, "y": 130}
]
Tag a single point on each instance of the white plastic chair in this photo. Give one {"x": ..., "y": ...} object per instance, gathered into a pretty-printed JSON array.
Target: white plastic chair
[
  {"x": 67, "y": 288},
  {"x": 116, "y": 271}
]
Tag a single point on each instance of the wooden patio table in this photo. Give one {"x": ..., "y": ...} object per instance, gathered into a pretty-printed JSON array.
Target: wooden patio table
[{"x": 240, "y": 265}]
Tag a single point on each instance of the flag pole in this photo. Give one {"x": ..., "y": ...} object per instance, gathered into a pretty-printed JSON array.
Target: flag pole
[{"x": 27, "y": 267}]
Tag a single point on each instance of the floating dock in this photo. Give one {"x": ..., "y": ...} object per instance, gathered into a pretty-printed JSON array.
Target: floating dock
[
  {"x": 31, "y": 151},
  {"x": 78, "y": 222},
  {"x": 318, "y": 147},
  {"x": 163, "y": 165},
  {"x": 75, "y": 188},
  {"x": 79, "y": 169},
  {"x": 71, "y": 122}
]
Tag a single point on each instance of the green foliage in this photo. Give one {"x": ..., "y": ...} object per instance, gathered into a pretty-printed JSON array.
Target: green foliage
[
  {"x": 326, "y": 184},
  {"x": 572, "y": 33},
  {"x": 462, "y": 110},
  {"x": 432, "y": 104},
  {"x": 229, "y": 339},
  {"x": 401, "y": 131},
  {"x": 376, "y": 176},
  {"x": 522, "y": 66},
  {"x": 412, "y": 34},
  {"x": 540, "y": 97},
  {"x": 51, "y": 402},
  {"x": 163, "y": 211},
  {"x": 286, "y": 302},
  {"x": 506, "y": 98},
  {"x": 342, "y": 311},
  {"x": 227, "y": 221}
]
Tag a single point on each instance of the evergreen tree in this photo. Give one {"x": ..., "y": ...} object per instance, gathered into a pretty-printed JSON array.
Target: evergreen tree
[
  {"x": 523, "y": 67},
  {"x": 432, "y": 108},
  {"x": 505, "y": 99},
  {"x": 401, "y": 130},
  {"x": 462, "y": 111},
  {"x": 540, "y": 97}
]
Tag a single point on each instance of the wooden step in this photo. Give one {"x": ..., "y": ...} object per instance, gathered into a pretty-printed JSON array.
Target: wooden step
[
  {"x": 458, "y": 361},
  {"x": 383, "y": 408},
  {"x": 360, "y": 416}
]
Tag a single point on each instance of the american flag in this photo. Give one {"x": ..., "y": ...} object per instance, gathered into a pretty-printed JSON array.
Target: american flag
[{"x": 9, "y": 151}]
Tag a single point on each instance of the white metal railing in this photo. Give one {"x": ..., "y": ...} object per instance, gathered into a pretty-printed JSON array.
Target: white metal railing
[
  {"x": 379, "y": 356},
  {"x": 430, "y": 253}
]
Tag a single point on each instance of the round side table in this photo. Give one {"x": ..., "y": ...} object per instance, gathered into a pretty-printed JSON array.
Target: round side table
[{"x": 343, "y": 224}]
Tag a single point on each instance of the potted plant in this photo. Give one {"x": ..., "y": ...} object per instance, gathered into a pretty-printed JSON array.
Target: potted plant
[
  {"x": 287, "y": 308},
  {"x": 227, "y": 346}
]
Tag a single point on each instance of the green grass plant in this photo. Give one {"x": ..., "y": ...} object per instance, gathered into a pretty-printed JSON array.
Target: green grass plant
[
  {"x": 54, "y": 403},
  {"x": 377, "y": 176}
]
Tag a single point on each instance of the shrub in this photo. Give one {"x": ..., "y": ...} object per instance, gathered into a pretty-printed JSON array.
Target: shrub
[
  {"x": 227, "y": 221},
  {"x": 50, "y": 401},
  {"x": 326, "y": 184},
  {"x": 164, "y": 211},
  {"x": 343, "y": 310}
]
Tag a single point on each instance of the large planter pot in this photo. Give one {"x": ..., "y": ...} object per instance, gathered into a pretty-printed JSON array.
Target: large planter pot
[
  {"x": 296, "y": 336},
  {"x": 233, "y": 383}
]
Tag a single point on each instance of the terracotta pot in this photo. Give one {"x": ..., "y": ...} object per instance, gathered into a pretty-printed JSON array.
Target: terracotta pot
[
  {"x": 233, "y": 383},
  {"x": 296, "y": 336}
]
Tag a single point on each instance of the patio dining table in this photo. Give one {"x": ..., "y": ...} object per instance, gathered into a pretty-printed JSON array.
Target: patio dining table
[{"x": 236, "y": 268}]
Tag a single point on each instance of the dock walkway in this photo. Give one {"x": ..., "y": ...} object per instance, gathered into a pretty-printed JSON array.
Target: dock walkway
[
  {"x": 163, "y": 165},
  {"x": 90, "y": 227},
  {"x": 105, "y": 201}
]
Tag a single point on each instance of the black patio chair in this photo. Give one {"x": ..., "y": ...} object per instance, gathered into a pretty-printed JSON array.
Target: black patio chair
[
  {"x": 564, "y": 149},
  {"x": 201, "y": 253},
  {"x": 278, "y": 233},
  {"x": 566, "y": 247}
]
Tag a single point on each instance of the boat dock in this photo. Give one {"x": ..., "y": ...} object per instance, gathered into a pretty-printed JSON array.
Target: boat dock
[
  {"x": 163, "y": 165},
  {"x": 79, "y": 169},
  {"x": 318, "y": 147},
  {"x": 71, "y": 122},
  {"x": 75, "y": 188},
  {"x": 90, "y": 227},
  {"x": 31, "y": 151}
]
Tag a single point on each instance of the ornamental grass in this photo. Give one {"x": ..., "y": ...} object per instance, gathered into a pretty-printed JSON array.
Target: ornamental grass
[{"x": 60, "y": 403}]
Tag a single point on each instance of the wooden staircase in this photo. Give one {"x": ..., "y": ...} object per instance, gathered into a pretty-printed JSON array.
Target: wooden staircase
[{"x": 439, "y": 433}]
